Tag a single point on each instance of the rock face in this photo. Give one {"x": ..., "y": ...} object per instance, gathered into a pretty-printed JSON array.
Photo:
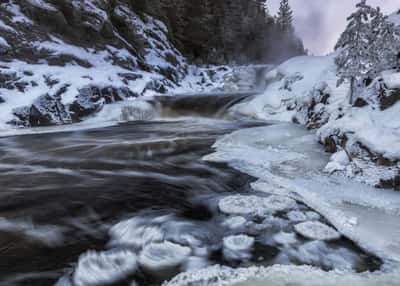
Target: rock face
[{"x": 65, "y": 59}]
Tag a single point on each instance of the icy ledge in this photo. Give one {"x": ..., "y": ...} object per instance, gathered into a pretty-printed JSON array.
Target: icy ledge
[
  {"x": 281, "y": 275},
  {"x": 288, "y": 161}
]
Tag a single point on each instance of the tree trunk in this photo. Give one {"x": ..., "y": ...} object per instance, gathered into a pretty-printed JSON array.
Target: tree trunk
[{"x": 351, "y": 90}]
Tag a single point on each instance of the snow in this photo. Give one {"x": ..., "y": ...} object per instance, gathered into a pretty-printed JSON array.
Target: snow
[
  {"x": 4, "y": 26},
  {"x": 375, "y": 129},
  {"x": 42, "y": 4},
  {"x": 316, "y": 230},
  {"x": 391, "y": 79},
  {"x": 158, "y": 256},
  {"x": 18, "y": 16},
  {"x": 4, "y": 43},
  {"x": 254, "y": 205},
  {"x": 293, "y": 79},
  {"x": 338, "y": 162},
  {"x": 99, "y": 268}
]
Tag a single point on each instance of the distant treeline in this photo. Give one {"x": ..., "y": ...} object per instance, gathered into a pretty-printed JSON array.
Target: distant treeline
[{"x": 221, "y": 31}]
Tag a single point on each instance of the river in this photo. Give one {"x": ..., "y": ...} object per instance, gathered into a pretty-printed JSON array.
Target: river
[{"x": 62, "y": 192}]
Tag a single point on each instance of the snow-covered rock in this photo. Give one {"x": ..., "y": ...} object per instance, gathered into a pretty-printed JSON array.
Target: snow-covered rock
[
  {"x": 99, "y": 268},
  {"x": 339, "y": 161},
  {"x": 304, "y": 90},
  {"x": 164, "y": 255},
  {"x": 316, "y": 230}
]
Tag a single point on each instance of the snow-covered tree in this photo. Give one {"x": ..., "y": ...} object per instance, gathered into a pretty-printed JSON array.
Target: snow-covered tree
[
  {"x": 368, "y": 46},
  {"x": 356, "y": 58},
  {"x": 285, "y": 17},
  {"x": 386, "y": 41}
]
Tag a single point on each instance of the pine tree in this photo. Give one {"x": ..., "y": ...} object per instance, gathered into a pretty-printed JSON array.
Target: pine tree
[
  {"x": 285, "y": 17},
  {"x": 356, "y": 58}
]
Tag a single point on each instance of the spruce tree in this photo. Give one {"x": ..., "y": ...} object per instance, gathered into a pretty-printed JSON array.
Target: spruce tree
[
  {"x": 356, "y": 58},
  {"x": 285, "y": 17}
]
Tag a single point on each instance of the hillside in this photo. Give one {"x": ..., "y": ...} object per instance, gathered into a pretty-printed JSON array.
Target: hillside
[{"x": 61, "y": 61}]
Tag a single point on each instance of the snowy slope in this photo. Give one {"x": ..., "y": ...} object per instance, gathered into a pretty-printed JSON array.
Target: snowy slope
[{"x": 304, "y": 90}]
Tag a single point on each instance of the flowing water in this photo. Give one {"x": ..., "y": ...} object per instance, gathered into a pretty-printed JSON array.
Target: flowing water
[{"x": 62, "y": 193}]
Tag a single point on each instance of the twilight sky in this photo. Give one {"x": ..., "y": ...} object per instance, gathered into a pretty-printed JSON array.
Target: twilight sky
[{"x": 320, "y": 22}]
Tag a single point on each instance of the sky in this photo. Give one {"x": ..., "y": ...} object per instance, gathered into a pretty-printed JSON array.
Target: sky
[{"x": 320, "y": 22}]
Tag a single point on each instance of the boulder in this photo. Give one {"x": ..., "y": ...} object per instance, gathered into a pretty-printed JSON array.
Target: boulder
[
  {"x": 48, "y": 110},
  {"x": 91, "y": 99},
  {"x": 388, "y": 98}
]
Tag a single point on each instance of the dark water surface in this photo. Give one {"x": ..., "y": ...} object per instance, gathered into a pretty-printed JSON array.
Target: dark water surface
[
  {"x": 60, "y": 193},
  {"x": 81, "y": 182}
]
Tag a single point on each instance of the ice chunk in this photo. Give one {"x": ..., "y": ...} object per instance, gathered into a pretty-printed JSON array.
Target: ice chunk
[
  {"x": 297, "y": 216},
  {"x": 254, "y": 205},
  {"x": 194, "y": 262},
  {"x": 235, "y": 222},
  {"x": 318, "y": 253},
  {"x": 159, "y": 256},
  {"x": 237, "y": 247},
  {"x": 285, "y": 238},
  {"x": 312, "y": 215},
  {"x": 104, "y": 268},
  {"x": 135, "y": 232},
  {"x": 316, "y": 230}
]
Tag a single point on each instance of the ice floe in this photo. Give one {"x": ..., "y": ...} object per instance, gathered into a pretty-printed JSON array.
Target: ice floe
[
  {"x": 318, "y": 253},
  {"x": 99, "y": 268},
  {"x": 135, "y": 232},
  {"x": 235, "y": 222},
  {"x": 297, "y": 216},
  {"x": 237, "y": 247},
  {"x": 255, "y": 205},
  {"x": 285, "y": 238},
  {"x": 160, "y": 256},
  {"x": 316, "y": 230}
]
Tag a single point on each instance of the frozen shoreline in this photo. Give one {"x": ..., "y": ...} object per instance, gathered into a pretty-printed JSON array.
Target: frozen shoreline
[{"x": 288, "y": 161}]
